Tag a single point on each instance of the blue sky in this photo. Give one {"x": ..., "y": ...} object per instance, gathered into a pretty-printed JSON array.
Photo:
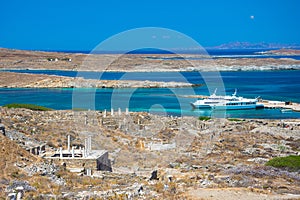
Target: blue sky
[{"x": 81, "y": 25}]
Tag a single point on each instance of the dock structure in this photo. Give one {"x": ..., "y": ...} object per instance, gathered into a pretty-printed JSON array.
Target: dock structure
[
  {"x": 281, "y": 105},
  {"x": 269, "y": 104}
]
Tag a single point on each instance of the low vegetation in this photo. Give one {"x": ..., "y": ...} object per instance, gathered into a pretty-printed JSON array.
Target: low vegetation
[
  {"x": 79, "y": 109},
  {"x": 291, "y": 162},
  {"x": 204, "y": 118},
  {"x": 27, "y": 106}
]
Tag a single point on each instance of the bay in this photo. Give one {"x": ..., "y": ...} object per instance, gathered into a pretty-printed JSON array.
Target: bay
[{"x": 271, "y": 85}]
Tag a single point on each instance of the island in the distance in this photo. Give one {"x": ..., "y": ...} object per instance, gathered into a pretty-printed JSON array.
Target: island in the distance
[
  {"x": 24, "y": 59},
  {"x": 119, "y": 153},
  {"x": 41, "y": 60}
]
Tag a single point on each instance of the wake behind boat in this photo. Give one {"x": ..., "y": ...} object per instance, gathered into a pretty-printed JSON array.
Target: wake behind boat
[{"x": 227, "y": 102}]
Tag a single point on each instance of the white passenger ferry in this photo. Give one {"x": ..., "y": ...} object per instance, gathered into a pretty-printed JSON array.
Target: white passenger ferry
[{"x": 232, "y": 102}]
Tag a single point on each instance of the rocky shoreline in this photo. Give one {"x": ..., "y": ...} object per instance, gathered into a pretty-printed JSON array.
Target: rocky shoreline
[
  {"x": 152, "y": 156},
  {"x": 20, "y": 59},
  {"x": 23, "y": 80},
  {"x": 286, "y": 52}
]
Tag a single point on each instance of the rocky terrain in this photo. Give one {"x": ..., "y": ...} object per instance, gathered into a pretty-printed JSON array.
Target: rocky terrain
[
  {"x": 288, "y": 52},
  {"x": 22, "y": 172},
  {"x": 259, "y": 45},
  {"x": 21, "y": 80},
  {"x": 18, "y": 59},
  {"x": 153, "y": 157}
]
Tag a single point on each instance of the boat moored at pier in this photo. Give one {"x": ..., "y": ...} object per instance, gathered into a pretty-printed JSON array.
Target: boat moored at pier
[{"x": 227, "y": 102}]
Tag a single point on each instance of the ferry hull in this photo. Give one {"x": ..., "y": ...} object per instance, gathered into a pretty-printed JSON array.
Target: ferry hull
[
  {"x": 239, "y": 107},
  {"x": 227, "y": 102},
  {"x": 195, "y": 106}
]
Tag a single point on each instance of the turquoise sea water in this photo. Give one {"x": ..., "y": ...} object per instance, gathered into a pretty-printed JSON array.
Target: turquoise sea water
[{"x": 272, "y": 85}]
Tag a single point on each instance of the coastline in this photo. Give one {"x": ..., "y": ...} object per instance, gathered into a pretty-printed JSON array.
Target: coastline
[
  {"x": 283, "y": 51},
  {"x": 217, "y": 69},
  {"x": 189, "y": 149},
  {"x": 28, "y": 80},
  {"x": 21, "y": 59},
  {"x": 23, "y": 80},
  {"x": 269, "y": 104}
]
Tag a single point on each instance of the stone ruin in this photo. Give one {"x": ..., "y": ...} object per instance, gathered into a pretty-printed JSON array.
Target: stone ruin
[
  {"x": 2, "y": 128},
  {"x": 82, "y": 159}
]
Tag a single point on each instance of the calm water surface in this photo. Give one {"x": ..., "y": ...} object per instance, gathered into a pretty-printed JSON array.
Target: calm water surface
[{"x": 273, "y": 85}]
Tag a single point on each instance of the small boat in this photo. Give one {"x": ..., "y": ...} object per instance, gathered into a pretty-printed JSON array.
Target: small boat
[
  {"x": 285, "y": 110},
  {"x": 232, "y": 102}
]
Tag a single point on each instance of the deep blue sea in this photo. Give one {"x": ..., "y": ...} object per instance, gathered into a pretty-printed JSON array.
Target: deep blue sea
[{"x": 271, "y": 85}]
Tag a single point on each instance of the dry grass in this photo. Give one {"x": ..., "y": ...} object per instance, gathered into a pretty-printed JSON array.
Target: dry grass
[{"x": 10, "y": 155}]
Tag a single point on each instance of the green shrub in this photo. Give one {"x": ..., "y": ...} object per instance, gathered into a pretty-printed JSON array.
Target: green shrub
[
  {"x": 204, "y": 118},
  {"x": 27, "y": 106},
  {"x": 291, "y": 162}
]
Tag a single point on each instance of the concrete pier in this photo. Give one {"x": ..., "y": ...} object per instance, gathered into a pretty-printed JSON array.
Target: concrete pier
[
  {"x": 267, "y": 103},
  {"x": 281, "y": 105}
]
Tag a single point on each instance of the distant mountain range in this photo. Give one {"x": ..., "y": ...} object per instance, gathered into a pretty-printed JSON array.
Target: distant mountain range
[{"x": 260, "y": 45}]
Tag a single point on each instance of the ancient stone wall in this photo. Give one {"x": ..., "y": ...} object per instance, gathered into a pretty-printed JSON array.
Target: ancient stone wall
[{"x": 103, "y": 163}]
